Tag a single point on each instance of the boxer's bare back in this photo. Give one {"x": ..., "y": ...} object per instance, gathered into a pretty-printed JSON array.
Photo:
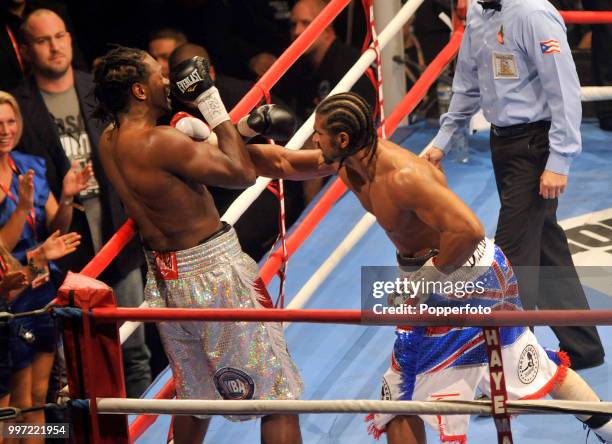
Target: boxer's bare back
[{"x": 161, "y": 174}]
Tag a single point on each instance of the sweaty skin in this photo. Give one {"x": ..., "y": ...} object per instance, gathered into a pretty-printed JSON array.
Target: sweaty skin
[
  {"x": 408, "y": 196},
  {"x": 161, "y": 174}
]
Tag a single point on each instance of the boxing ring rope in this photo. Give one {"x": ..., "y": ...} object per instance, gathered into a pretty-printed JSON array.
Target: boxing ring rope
[
  {"x": 595, "y": 93},
  {"x": 495, "y": 318},
  {"x": 302, "y": 231},
  {"x": 586, "y": 17},
  {"x": 110, "y": 250},
  {"x": 318, "y": 277},
  {"x": 192, "y": 407}
]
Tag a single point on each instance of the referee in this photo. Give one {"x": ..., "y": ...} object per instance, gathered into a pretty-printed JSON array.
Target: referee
[{"x": 515, "y": 64}]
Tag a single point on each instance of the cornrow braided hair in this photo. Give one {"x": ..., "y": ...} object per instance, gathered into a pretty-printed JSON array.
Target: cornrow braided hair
[
  {"x": 114, "y": 76},
  {"x": 350, "y": 113}
]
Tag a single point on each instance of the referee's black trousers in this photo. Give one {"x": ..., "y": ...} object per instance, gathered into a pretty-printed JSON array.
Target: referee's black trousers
[{"x": 529, "y": 235}]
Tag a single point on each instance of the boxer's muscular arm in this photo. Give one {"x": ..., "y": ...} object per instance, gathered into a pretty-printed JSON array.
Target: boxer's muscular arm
[
  {"x": 278, "y": 162},
  {"x": 441, "y": 209},
  {"x": 228, "y": 165}
]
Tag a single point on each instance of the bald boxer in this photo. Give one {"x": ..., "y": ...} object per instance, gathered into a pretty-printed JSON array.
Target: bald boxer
[
  {"x": 438, "y": 239},
  {"x": 194, "y": 260}
]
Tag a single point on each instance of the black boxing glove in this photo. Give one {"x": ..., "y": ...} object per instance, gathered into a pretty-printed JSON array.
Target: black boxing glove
[
  {"x": 191, "y": 82},
  {"x": 271, "y": 121}
]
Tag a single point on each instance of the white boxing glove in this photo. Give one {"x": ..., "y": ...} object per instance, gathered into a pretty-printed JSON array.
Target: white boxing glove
[{"x": 193, "y": 127}]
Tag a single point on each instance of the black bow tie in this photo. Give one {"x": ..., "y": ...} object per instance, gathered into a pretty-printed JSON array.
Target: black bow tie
[{"x": 491, "y": 5}]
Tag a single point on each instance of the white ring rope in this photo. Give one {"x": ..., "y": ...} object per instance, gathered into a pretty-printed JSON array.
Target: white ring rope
[
  {"x": 129, "y": 327},
  {"x": 595, "y": 93},
  {"x": 268, "y": 407},
  {"x": 358, "y": 231}
]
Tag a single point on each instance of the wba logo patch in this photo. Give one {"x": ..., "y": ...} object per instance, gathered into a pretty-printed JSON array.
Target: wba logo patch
[{"x": 234, "y": 384}]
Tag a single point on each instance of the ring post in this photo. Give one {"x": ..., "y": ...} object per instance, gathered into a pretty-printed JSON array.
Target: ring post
[{"x": 93, "y": 360}]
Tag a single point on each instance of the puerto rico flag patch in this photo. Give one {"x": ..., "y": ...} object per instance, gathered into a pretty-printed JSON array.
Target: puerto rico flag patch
[{"x": 551, "y": 46}]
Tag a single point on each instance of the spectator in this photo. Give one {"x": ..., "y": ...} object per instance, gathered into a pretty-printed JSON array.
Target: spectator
[
  {"x": 246, "y": 36},
  {"x": 257, "y": 229},
  {"x": 328, "y": 59},
  {"x": 162, "y": 43},
  {"x": 58, "y": 101},
  {"x": 12, "y": 66},
  {"x": 28, "y": 212},
  {"x": 10, "y": 281},
  {"x": 14, "y": 278}
]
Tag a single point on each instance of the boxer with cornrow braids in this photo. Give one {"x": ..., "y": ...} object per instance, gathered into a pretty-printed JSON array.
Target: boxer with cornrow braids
[
  {"x": 439, "y": 241},
  {"x": 351, "y": 114}
]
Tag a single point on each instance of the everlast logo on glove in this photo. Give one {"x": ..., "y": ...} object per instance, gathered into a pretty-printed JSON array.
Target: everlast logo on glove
[
  {"x": 191, "y": 83},
  {"x": 186, "y": 84}
]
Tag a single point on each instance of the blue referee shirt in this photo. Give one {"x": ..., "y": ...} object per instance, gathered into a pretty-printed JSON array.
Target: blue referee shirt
[{"x": 517, "y": 66}]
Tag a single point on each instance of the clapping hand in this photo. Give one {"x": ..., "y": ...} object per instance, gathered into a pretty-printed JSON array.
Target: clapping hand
[
  {"x": 26, "y": 190},
  {"x": 57, "y": 246},
  {"x": 76, "y": 181},
  {"x": 12, "y": 281}
]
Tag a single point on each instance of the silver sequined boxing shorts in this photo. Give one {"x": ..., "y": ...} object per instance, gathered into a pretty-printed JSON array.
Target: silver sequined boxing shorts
[{"x": 219, "y": 360}]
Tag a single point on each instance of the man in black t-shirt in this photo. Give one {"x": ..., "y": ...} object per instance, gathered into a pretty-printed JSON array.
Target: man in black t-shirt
[{"x": 324, "y": 63}]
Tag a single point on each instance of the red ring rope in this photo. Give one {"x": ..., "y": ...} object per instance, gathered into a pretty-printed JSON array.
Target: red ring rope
[
  {"x": 110, "y": 250},
  {"x": 421, "y": 86},
  {"x": 303, "y": 230},
  {"x": 496, "y": 318},
  {"x": 586, "y": 17},
  {"x": 288, "y": 57}
]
